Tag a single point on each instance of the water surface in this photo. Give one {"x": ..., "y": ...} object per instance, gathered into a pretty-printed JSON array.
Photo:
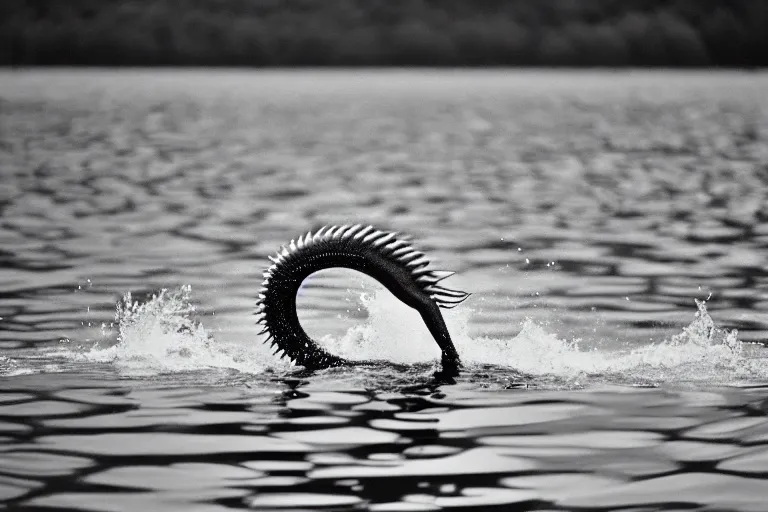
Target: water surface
[{"x": 612, "y": 227}]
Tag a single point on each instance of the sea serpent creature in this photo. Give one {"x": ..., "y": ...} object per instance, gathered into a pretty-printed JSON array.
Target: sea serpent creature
[{"x": 384, "y": 255}]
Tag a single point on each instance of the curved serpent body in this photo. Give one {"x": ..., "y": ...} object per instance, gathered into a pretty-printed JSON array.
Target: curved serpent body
[{"x": 383, "y": 255}]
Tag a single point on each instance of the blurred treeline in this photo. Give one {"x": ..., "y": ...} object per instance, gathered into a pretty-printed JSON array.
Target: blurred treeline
[{"x": 384, "y": 32}]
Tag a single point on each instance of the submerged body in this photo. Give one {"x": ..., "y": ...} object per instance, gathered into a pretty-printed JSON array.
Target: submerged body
[{"x": 381, "y": 255}]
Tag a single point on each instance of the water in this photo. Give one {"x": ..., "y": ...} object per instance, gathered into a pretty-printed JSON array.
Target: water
[{"x": 612, "y": 227}]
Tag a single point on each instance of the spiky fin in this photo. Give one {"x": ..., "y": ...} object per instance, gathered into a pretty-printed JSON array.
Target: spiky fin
[{"x": 388, "y": 244}]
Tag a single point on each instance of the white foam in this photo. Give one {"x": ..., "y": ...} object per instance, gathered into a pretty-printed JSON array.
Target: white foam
[
  {"x": 392, "y": 332},
  {"x": 162, "y": 335},
  {"x": 7, "y": 366},
  {"x": 702, "y": 352}
]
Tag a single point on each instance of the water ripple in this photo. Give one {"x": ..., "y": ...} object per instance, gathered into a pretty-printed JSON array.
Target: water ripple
[{"x": 587, "y": 212}]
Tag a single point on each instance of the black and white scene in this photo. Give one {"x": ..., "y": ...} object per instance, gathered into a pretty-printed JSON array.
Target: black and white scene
[{"x": 384, "y": 255}]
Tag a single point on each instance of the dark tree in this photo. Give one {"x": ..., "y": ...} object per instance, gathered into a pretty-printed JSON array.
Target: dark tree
[{"x": 385, "y": 32}]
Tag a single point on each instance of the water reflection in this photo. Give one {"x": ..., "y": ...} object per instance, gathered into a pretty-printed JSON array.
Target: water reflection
[
  {"x": 585, "y": 211},
  {"x": 299, "y": 445}
]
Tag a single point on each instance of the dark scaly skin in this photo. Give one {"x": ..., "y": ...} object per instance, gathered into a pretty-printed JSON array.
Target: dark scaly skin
[{"x": 278, "y": 297}]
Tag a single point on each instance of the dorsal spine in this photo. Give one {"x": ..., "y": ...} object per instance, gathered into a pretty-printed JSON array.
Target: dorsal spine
[{"x": 383, "y": 255}]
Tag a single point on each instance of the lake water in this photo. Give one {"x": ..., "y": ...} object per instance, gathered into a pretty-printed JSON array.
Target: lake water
[{"x": 612, "y": 227}]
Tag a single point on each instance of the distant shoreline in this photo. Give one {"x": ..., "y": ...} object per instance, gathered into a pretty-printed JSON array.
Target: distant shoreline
[{"x": 580, "y": 34}]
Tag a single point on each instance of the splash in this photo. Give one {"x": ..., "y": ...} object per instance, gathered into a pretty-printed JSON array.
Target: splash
[
  {"x": 701, "y": 353},
  {"x": 163, "y": 335},
  {"x": 393, "y": 332},
  {"x": 9, "y": 367}
]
